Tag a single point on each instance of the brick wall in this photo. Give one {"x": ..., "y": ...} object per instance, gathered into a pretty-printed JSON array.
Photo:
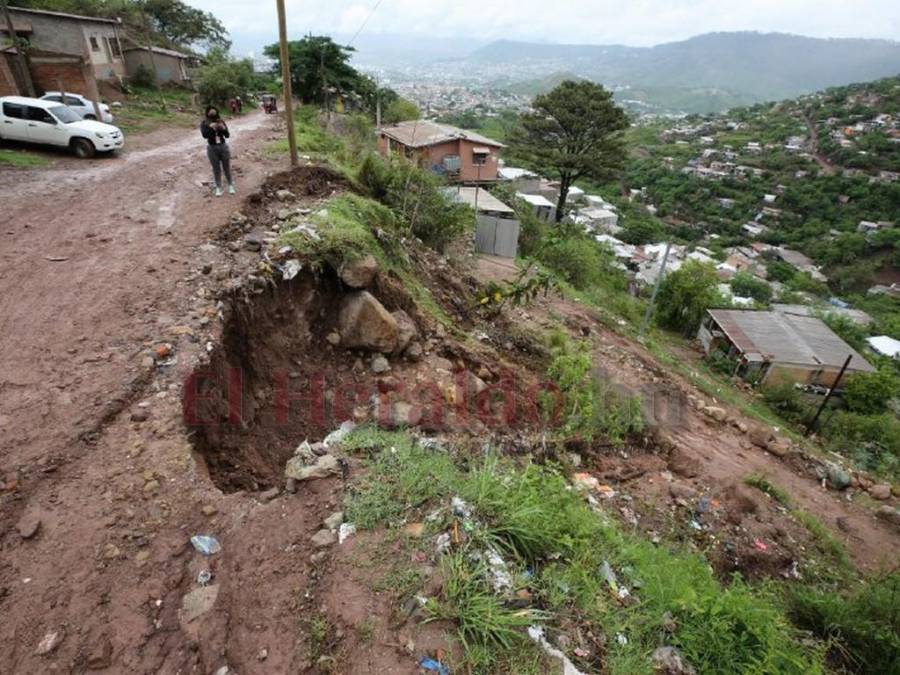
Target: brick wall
[
  {"x": 47, "y": 73},
  {"x": 7, "y": 80}
]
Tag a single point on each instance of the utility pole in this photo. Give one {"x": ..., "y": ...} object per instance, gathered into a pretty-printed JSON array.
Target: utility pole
[
  {"x": 20, "y": 50},
  {"x": 662, "y": 271},
  {"x": 286, "y": 81},
  {"x": 812, "y": 425}
]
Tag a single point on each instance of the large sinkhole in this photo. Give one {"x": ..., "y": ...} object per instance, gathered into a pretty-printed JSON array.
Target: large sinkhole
[{"x": 274, "y": 380}]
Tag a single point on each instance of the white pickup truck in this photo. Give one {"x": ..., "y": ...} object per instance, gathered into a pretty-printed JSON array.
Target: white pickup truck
[{"x": 32, "y": 120}]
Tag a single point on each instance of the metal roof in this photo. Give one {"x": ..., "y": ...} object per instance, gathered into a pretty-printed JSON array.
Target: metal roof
[
  {"x": 787, "y": 338},
  {"x": 535, "y": 200},
  {"x": 422, "y": 133},
  {"x": 486, "y": 201},
  {"x": 62, "y": 15},
  {"x": 885, "y": 345},
  {"x": 161, "y": 50}
]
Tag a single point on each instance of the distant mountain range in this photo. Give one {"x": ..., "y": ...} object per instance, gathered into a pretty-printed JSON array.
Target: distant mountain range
[{"x": 706, "y": 73}]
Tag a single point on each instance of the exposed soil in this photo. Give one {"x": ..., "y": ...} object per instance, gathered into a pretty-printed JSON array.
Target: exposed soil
[
  {"x": 712, "y": 458},
  {"x": 125, "y": 286}
]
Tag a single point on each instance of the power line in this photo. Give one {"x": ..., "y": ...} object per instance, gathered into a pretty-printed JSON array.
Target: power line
[{"x": 363, "y": 25}]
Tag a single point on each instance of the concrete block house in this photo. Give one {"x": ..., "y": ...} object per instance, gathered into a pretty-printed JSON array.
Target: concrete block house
[{"x": 459, "y": 155}]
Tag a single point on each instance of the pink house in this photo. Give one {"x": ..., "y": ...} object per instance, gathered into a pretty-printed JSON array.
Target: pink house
[{"x": 459, "y": 155}]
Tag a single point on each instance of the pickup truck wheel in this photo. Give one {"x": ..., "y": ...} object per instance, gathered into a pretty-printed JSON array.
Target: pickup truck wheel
[{"x": 83, "y": 148}]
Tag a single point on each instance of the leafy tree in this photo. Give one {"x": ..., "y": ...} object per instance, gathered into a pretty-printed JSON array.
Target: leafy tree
[
  {"x": 223, "y": 78},
  {"x": 685, "y": 295},
  {"x": 746, "y": 285},
  {"x": 641, "y": 232},
  {"x": 317, "y": 65},
  {"x": 869, "y": 393},
  {"x": 182, "y": 24},
  {"x": 573, "y": 132},
  {"x": 400, "y": 110}
]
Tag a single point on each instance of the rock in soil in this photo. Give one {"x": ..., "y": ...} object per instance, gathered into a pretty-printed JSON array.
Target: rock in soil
[
  {"x": 668, "y": 661},
  {"x": 323, "y": 538},
  {"x": 359, "y": 273},
  {"x": 197, "y": 603},
  {"x": 364, "y": 323},
  {"x": 326, "y": 465},
  {"x": 380, "y": 364},
  {"x": 406, "y": 330},
  {"x": 880, "y": 492},
  {"x": 679, "y": 463},
  {"x": 30, "y": 523},
  {"x": 50, "y": 642},
  {"x": 334, "y": 521}
]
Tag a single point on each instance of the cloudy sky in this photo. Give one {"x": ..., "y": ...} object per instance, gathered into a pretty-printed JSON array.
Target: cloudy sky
[{"x": 630, "y": 22}]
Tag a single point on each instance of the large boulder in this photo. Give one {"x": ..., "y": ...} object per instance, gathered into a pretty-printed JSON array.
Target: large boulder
[
  {"x": 364, "y": 323},
  {"x": 360, "y": 272}
]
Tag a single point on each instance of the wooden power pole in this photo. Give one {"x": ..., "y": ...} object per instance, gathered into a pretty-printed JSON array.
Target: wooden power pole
[
  {"x": 20, "y": 50},
  {"x": 286, "y": 82}
]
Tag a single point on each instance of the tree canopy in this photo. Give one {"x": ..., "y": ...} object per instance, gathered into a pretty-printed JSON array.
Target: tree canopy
[
  {"x": 573, "y": 132},
  {"x": 318, "y": 64},
  {"x": 172, "y": 22},
  {"x": 685, "y": 295}
]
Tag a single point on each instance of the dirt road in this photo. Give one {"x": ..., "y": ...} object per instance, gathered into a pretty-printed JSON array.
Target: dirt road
[
  {"x": 827, "y": 167},
  {"x": 99, "y": 263}
]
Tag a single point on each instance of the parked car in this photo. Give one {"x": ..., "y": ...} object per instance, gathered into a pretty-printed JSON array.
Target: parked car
[
  {"x": 83, "y": 106},
  {"x": 33, "y": 120}
]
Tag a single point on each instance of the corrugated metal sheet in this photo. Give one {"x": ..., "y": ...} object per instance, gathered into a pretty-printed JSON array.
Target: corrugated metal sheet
[
  {"x": 422, "y": 133},
  {"x": 789, "y": 339}
]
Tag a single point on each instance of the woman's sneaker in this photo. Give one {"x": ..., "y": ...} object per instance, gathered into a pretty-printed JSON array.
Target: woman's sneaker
[
  {"x": 231, "y": 189},
  {"x": 218, "y": 191}
]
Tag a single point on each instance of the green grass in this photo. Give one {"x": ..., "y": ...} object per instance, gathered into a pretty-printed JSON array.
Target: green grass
[
  {"x": 144, "y": 110},
  {"x": 22, "y": 159},
  {"x": 761, "y": 482},
  {"x": 861, "y": 624},
  {"x": 554, "y": 546}
]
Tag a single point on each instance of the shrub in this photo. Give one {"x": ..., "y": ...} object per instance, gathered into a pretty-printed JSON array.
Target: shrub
[
  {"x": 142, "y": 78},
  {"x": 579, "y": 260},
  {"x": 685, "y": 295},
  {"x": 746, "y": 285},
  {"x": 416, "y": 197},
  {"x": 784, "y": 399},
  {"x": 870, "y": 393}
]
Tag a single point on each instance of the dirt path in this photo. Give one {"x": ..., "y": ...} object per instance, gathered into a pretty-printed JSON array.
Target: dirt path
[
  {"x": 829, "y": 168},
  {"x": 99, "y": 263}
]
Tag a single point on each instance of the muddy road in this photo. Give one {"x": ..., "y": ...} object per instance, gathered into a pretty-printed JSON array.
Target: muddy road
[{"x": 99, "y": 265}]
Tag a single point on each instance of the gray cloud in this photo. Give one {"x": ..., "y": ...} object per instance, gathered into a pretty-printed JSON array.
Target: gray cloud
[{"x": 634, "y": 22}]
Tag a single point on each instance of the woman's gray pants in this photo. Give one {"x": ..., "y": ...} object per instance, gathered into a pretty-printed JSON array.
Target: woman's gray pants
[{"x": 220, "y": 158}]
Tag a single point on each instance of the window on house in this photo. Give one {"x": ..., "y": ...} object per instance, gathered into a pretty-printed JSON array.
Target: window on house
[
  {"x": 113, "y": 46},
  {"x": 95, "y": 46},
  {"x": 480, "y": 155}
]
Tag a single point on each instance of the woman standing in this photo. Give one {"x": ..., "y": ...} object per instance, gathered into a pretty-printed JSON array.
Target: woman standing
[{"x": 215, "y": 131}]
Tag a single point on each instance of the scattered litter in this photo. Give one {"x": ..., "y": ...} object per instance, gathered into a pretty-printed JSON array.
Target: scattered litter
[
  {"x": 793, "y": 572},
  {"x": 442, "y": 543},
  {"x": 500, "y": 577},
  {"x": 434, "y": 666},
  {"x": 760, "y": 545},
  {"x": 536, "y": 633},
  {"x": 460, "y": 508},
  {"x": 607, "y": 571},
  {"x": 338, "y": 435},
  {"x": 290, "y": 269},
  {"x": 205, "y": 544},
  {"x": 585, "y": 481},
  {"x": 345, "y": 531},
  {"x": 581, "y": 653},
  {"x": 56, "y": 258},
  {"x": 606, "y": 492},
  {"x": 695, "y": 525},
  {"x": 204, "y": 577},
  {"x": 703, "y": 504},
  {"x": 621, "y": 639}
]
